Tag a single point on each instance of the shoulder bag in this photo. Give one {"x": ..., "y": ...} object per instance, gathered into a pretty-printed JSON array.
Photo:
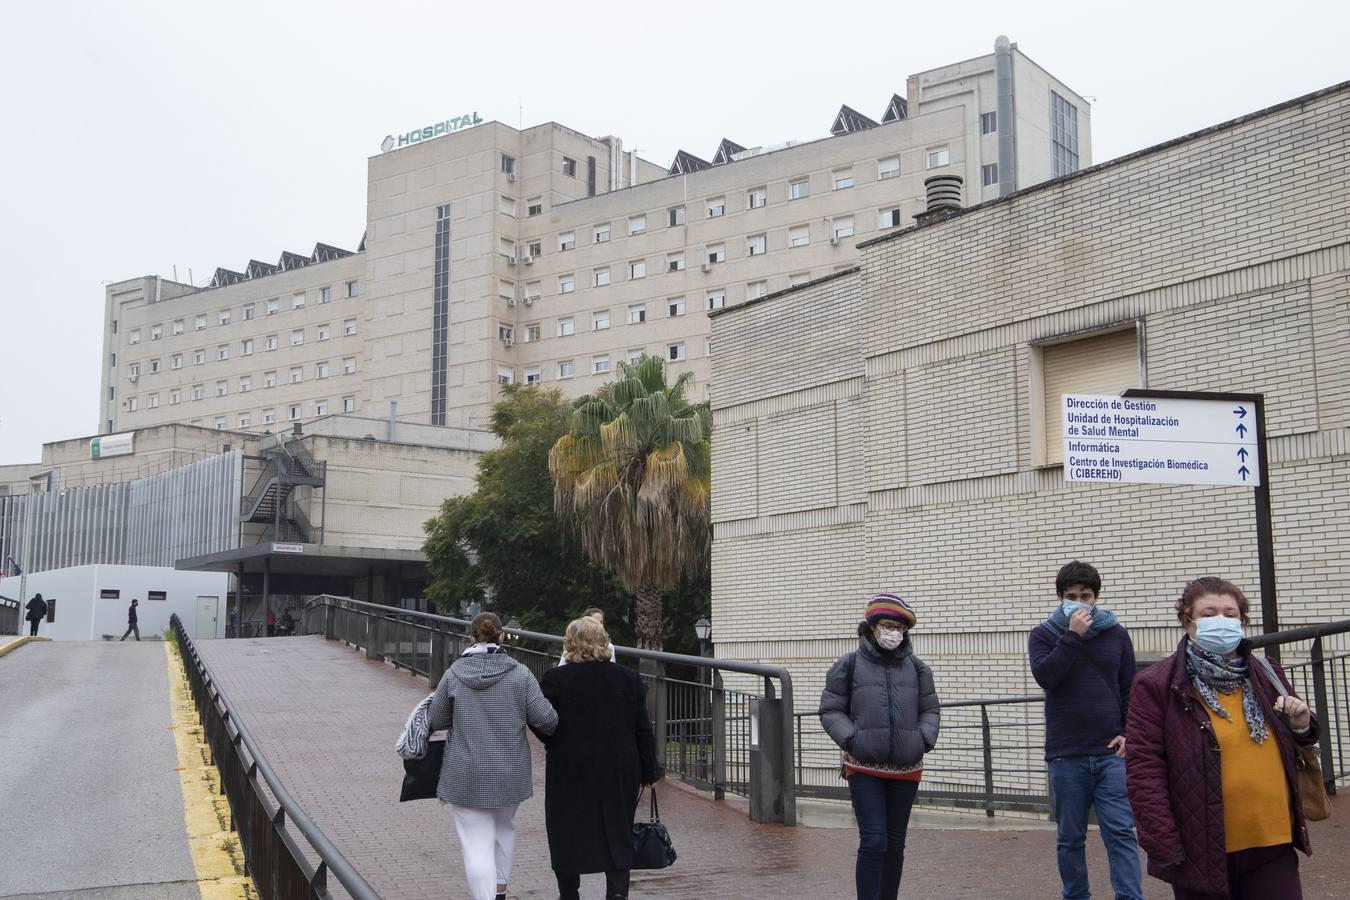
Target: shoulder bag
[
  {"x": 652, "y": 848},
  {"x": 1311, "y": 787}
]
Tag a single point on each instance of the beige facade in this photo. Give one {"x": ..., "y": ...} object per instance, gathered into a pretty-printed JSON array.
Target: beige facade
[
  {"x": 885, "y": 429},
  {"x": 560, "y": 256}
]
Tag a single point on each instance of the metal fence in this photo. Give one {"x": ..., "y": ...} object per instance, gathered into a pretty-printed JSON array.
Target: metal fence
[
  {"x": 720, "y": 738},
  {"x": 260, "y": 806},
  {"x": 9, "y": 616}
]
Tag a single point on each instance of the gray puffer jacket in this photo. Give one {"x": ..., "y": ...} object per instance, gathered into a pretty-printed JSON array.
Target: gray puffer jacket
[{"x": 890, "y": 717}]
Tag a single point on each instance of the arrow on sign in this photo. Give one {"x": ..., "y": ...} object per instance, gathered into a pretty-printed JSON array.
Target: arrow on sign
[
  {"x": 1242, "y": 453},
  {"x": 1240, "y": 412},
  {"x": 1241, "y": 430},
  {"x": 1244, "y": 472}
]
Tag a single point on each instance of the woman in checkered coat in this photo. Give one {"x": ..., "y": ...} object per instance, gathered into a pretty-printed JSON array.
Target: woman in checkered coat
[{"x": 487, "y": 699}]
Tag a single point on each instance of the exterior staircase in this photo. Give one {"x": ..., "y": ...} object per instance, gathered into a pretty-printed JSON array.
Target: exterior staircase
[{"x": 271, "y": 500}]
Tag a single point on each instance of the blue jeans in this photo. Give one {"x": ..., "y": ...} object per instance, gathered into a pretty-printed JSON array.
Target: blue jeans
[
  {"x": 1080, "y": 783},
  {"x": 882, "y": 807}
]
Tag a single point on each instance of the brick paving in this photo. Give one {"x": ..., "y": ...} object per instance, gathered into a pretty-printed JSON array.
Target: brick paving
[{"x": 327, "y": 720}]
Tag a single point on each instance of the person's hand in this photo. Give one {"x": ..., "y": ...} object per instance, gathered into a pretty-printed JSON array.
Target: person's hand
[
  {"x": 1117, "y": 744},
  {"x": 1080, "y": 622},
  {"x": 1295, "y": 711}
]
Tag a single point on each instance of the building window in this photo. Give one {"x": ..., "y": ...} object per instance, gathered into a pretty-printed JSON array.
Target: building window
[
  {"x": 297, "y": 374},
  {"x": 888, "y": 218},
  {"x": 566, "y": 369},
  {"x": 348, "y": 404},
  {"x": 534, "y": 249},
  {"x": 1063, "y": 136},
  {"x": 600, "y": 277},
  {"x": 223, "y": 352},
  {"x": 154, "y": 366},
  {"x": 505, "y": 375},
  {"x": 567, "y": 240},
  {"x": 220, "y": 423},
  {"x": 440, "y": 314},
  {"x": 566, "y": 327},
  {"x": 717, "y": 299},
  {"x": 222, "y": 388},
  {"x": 349, "y": 365},
  {"x": 534, "y": 206},
  {"x": 799, "y": 189},
  {"x": 269, "y": 416},
  {"x": 353, "y": 289},
  {"x": 246, "y": 347},
  {"x": 799, "y": 235},
  {"x": 198, "y": 357},
  {"x": 717, "y": 207},
  {"x": 508, "y": 164},
  {"x": 569, "y": 167},
  {"x": 269, "y": 379},
  {"x": 199, "y": 392},
  {"x": 134, "y": 370},
  {"x": 134, "y": 337},
  {"x": 675, "y": 216},
  {"x": 199, "y": 323},
  {"x": 567, "y": 284},
  {"x": 637, "y": 268},
  {"x": 177, "y": 361},
  {"x": 152, "y": 401},
  {"x": 505, "y": 289},
  {"x": 635, "y": 357},
  {"x": 798, "y": 279},
  {"x": 600, "y": 321},
  {"x": 675, "y": 352},
  {"x": 756, "y": 197},
  {"x": 272, "y": 306},
  {"x": 841, "y": 227},
  {"x": 321, "y": 370},
  {"x": 533, "y": 376},
  {"x": 1097, "y": 364},
  {"x": 325, "y": 295},
  {"x": 175, "y": 396},
  {"x": 349, "y": 327},
  {"x": 755, "y": 245},
  {"x": 989, "y": 174},
  {"x": 245, "y": 384},
  {"x": 245, "y": 420},
  {"x": 756, "y": 289},
  {"x": 637, "y": 314},
  {"x": 675, "y": 262},
  {"x": 298, "y": 301},
  {"x": 599, "y": 364},
  {"x": 675, "y": 307},
  {"x": 271, "y": 342},
  {"x": 178, "y": 326},
  {"x": 297, "y": 337},
  {"x": 156, "y": 332},
  {"x": 888, "y": 168},
  {"x": 637, "y": 224},
  {"x": 505, "y": 333},
  {"x": 532, "y": 333},
  {"x": 601, "y": 234},
  {"x": 717, "y": 253},
  {"x": 295, "y": 411},
  {"x": 248, "y": 312},
  {"x": 938, "y": 157},
  {"x": 224, "y": 317},
  {"x": 988, "y": 122},
  {"x": 843, "y": 178},
  {"x": 325, "y": 331}
]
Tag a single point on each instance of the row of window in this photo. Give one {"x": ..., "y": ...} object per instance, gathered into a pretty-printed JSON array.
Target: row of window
[
  {"x": 248, "y": 312},
  {"x": 714, "y": 207},
  {"x": 600, "y": 365},
  {"x": 296, "y": 375},
  {"x": 569, "y": 166},
  {"x": 295, "y": 412},
  {"x": 246, "y": 347}
]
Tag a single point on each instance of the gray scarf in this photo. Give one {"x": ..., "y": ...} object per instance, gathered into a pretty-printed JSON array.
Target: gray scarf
[{"x": 1213, "y": 675}]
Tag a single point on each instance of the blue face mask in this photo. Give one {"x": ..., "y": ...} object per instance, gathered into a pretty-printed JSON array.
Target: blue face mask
[
  {"x": 1218, "y": 634},
  {"x": 1070, "y": 607}
]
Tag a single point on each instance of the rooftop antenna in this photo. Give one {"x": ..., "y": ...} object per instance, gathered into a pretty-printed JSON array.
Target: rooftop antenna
[
  {"x": 190, "y": 281},
  {"x": 520, "y": 116},
  {"x": 175, "y": 272}
]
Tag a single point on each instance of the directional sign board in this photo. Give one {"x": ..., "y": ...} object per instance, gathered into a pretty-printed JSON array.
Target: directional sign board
[{"x": 1137, "y": 440}]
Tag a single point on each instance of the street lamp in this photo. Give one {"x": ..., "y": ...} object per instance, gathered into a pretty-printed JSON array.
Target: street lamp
[
  {"x": 513, "y": 625},
  {"x": 702, "y": 631}
]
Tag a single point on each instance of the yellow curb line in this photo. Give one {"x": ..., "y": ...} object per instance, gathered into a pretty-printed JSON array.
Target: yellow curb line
[
  {"x": 16, "y": 644},
  {"x": 216, "y": 855}
]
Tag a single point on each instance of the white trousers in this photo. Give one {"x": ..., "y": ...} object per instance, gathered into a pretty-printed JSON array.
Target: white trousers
[{"x": 487, "y": 838}]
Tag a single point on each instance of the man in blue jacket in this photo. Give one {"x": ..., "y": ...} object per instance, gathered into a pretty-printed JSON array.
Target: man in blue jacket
[{"x": 1084, "y": 661}]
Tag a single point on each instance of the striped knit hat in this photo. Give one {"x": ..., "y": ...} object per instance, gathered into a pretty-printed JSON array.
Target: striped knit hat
[{"x": 889, "y": 606}]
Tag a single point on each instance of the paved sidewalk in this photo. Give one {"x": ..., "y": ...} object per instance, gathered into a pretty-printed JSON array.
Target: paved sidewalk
[{"x": 327, "y": 720}]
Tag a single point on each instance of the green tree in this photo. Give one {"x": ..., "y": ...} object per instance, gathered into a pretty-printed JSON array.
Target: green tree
[{"x": 633, "y": 477}]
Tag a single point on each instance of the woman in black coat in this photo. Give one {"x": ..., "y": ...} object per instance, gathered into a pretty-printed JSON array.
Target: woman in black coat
[{"x": 598, "y": 759}]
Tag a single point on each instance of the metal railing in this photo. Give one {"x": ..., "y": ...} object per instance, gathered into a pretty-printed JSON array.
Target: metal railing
[
  {"x": 723, "y": 738},
  {"x": 9, "y": 616},
  {"x": 276, "y": 862}
]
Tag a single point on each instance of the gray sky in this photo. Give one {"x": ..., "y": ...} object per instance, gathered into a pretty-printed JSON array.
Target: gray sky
[{"x": 144, "y": 135}]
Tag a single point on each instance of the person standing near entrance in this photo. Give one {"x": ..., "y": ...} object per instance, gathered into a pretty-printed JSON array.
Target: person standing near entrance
[
  {"x": 37, "y": 611},
  {"x": 1084, "y": 660},
  {"x": 132, "y": 620}
]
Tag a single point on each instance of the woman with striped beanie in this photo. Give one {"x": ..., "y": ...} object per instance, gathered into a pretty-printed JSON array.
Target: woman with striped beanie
[{"x": 880, "y": 707}]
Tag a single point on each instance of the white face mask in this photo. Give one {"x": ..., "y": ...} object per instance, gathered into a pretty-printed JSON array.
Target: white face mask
[{"x": 889, "y": 640}]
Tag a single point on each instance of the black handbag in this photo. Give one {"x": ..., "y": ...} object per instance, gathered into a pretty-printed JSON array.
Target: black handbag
[
  {"x": 652, "y": 848},
  {"x": 422, "y": 776}
]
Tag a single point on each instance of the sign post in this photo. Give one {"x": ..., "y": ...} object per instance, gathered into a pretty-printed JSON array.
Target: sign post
[{"x": 1177, "y": 437}]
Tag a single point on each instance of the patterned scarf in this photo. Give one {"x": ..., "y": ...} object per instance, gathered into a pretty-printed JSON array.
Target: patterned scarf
[{"x": 1211, "y": 673}]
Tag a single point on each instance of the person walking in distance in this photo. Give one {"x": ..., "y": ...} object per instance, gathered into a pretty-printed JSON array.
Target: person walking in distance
[
  {"x": 1213, "y": 759},
  {"x": 880, "y": 707},
  {"x": 598, "y": 614},
  {"x": 487, "y": 699},
  {"x": 1084, "y": 661},
  {"x": 132, "y": 620},
  {"x": 37, "y": 611}
]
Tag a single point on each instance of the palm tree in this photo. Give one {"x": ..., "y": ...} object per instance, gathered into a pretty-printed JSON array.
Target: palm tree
[{"x": 633, "y": 476}]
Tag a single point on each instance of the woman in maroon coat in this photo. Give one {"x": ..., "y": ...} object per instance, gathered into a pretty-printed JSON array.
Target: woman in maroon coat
[{"x": 1211, "y": 761}]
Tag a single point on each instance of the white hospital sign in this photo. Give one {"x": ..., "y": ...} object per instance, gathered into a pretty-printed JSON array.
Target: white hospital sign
[
  {"x": 427, "y": 132},
  {"x": 1140, "y": 440}
]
